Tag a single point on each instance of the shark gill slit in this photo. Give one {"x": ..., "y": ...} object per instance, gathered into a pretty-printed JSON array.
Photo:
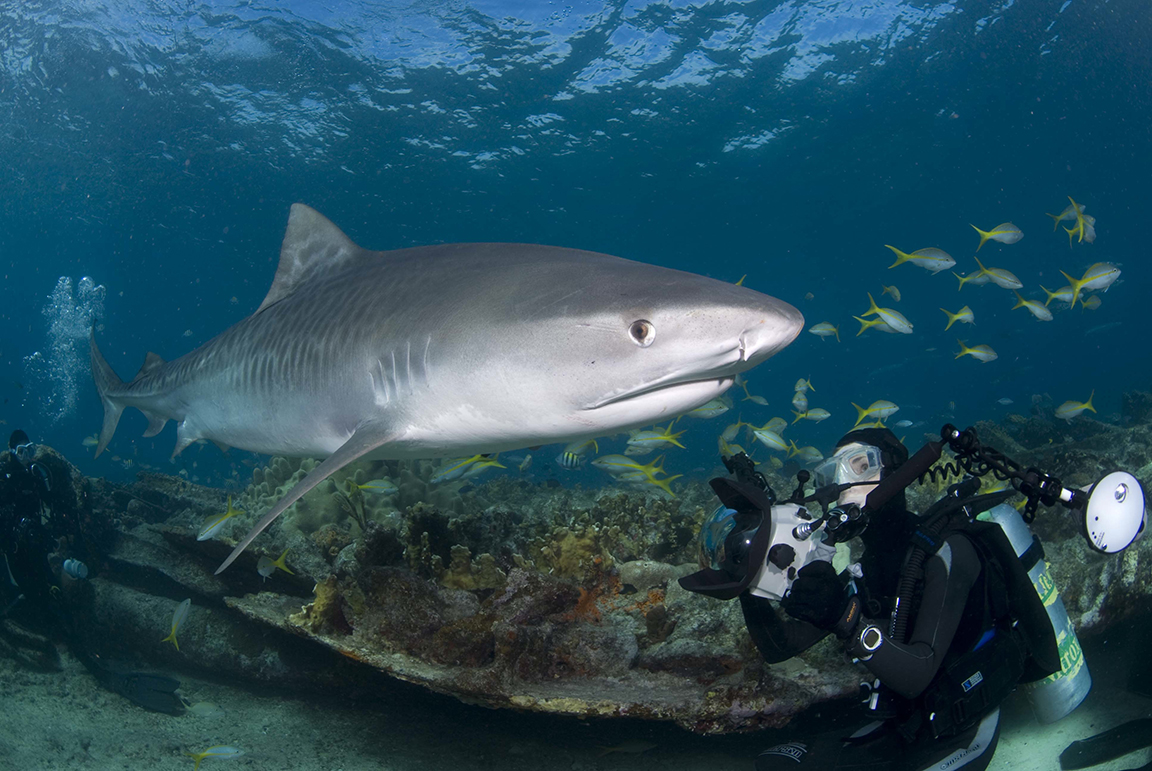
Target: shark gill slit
[
  {"x": 395, "y": 374},
  {"x": 379, "y": 383},
  {"x": 408, "y": 365},
  {"x": 424, "y": 368}
]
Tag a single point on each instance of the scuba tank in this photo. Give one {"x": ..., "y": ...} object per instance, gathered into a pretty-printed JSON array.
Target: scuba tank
[{"x": 1056, "y": 695}]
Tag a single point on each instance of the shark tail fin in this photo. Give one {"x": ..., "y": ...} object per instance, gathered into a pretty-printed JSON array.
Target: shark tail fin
[{"x": 106, "y": 380}]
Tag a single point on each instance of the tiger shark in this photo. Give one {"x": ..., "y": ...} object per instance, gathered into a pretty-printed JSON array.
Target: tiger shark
[{"x": 448, "y": 350}]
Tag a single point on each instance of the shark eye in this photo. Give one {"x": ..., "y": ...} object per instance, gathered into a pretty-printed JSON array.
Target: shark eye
[{"x": 642, "y": 332}]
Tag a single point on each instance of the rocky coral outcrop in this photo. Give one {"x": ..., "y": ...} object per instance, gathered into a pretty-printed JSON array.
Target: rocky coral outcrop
[{"x": 516, "y": 595}]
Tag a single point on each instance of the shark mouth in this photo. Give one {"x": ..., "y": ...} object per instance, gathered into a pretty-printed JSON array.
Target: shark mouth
[
  {"x": 716, "y": 379},
  {"x": 717, "y": 384}
]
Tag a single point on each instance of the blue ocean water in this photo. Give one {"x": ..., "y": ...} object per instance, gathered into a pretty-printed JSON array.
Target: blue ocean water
[{"x": 155, "y": 147}]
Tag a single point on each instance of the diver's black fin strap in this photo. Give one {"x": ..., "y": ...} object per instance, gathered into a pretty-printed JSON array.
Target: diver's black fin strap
[
  {"x": 1113, "y": 743},
  {"x": 12, "y": 582}
]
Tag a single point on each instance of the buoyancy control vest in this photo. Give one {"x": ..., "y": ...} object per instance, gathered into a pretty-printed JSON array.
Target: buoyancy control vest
[{"x": 1005, "y": 636}]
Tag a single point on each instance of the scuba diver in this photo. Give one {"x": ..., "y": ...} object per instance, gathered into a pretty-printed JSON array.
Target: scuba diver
[
  {"x": 25, "y": 541},
  {"x": 962, "y": 604},
  {"x": 34, "y": 518}
]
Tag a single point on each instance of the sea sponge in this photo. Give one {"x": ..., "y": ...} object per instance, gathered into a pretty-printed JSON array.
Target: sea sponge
[
  {"x": 576, "y": 554},
  {"x": 465, "y": 573},
  {"x": 320, "y": 615}
]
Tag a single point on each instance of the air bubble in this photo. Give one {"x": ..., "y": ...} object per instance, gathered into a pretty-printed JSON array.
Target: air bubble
[{"x": 55, "y": 373}]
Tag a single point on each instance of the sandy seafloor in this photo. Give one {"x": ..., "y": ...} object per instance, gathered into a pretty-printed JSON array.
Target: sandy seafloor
[{"x": 64, "y": 720}]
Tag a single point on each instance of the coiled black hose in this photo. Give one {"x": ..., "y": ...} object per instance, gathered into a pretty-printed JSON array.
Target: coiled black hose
[
  {"x": 926, "y": 541},
  {"x": 924, "y": 537}
]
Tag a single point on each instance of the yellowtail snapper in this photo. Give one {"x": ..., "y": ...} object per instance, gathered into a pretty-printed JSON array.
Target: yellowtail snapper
[
  {"x": 179, "y": 616},
  {"x": 218, "y": 751},
  {"x": 815, "y": 415},
  {"x": 266, "y": 566},
  {"x": 982, "y": 353},
  {"x": 381, "y": 486},
  {"x": 1070, "y": 409},
  {"x": 1000, "y": 277},
  {"x": 964, "y": 316},
  {"x": 1004, "y": 233},
  {"x": 825, "y": 329},
  {"x": 1036, "y": 309},
  {"x": 892, "y": 318},
  {"x": 1097, "y": 279},
  {"x": 213, "y": 524},
  {"x": 931, "y": 259}
]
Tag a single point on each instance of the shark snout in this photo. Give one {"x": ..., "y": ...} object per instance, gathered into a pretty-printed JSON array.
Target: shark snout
[{"x": 768, "y": 331}]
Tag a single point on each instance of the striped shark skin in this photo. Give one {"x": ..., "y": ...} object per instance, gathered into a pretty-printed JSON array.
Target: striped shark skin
[{"x": 448, "y": 351}]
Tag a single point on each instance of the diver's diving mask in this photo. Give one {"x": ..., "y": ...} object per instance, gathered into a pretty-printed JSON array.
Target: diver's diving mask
[
  {"x": 850, "y": 465},
  {"x": 25, "y": 452}
]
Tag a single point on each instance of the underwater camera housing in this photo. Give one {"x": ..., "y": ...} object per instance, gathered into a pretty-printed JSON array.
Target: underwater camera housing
[
  {"x": 753, "y": 543},
  {"x": 754, "y": 552}
]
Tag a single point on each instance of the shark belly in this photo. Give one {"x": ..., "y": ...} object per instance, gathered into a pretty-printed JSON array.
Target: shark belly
[{"x": 293, "y": 427}]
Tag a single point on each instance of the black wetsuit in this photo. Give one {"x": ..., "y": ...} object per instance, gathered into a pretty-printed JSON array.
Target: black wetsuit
[
  {"x": 949, "y": 618},
  {"x": 25, "y": 543}
]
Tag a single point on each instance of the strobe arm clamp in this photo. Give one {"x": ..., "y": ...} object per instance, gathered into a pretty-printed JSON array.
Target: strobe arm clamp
[{"x": 1039, "y": 487}]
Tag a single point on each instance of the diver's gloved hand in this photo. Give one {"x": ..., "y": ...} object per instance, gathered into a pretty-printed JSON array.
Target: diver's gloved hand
[{"x": 818, "y": 596}]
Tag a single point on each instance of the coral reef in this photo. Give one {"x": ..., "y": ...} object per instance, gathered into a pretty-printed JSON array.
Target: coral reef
[
  {"x": 340, "y": 499},
  {"x": 531, "y": 596},
  {"x": 1136, "y": 408}
]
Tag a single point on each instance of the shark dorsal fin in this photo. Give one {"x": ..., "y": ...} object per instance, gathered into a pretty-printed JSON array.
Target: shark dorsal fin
[
  {"x": 152, "y": 362},
  {"x": 312, "y": 245}
]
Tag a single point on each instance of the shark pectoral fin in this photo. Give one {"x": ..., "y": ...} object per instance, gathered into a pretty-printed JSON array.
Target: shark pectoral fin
[{"x": 366, "y": 438}]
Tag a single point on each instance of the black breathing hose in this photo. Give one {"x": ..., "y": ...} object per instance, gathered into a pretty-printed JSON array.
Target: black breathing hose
[
  {"x": 936, "y": 519},
  {"x": 906, "y": 588}
]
